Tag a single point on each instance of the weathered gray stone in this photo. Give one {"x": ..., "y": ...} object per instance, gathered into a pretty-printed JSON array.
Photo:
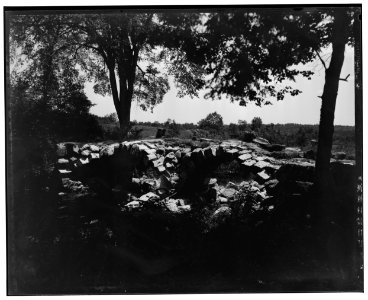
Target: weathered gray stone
[
  {"x": 151, "y": 157},
  {"x": 172, "y": 205},
  {"x": 263, "y": 175},
  {"x": 245, "y": 156},
  {"x": 223, "y": 200},
  {"x": 64, "y": 171},
  {"x": 261, "y": 164},
  {"x": 63, "y": 161},
  {"x": 228, "y": 193},
  {"x": 94, "y": 148},
  {"x": 184, "y": 208},
  {"x": 249, "y": 163},
  {"x": 133, "y": 204},
  {"x": 178, "y": 154},
  {"x": 262, "y": 195},
  {"x": 109, "y": 150},
  {"x": 149, "y": 197},
  {"x": 150, "y": 145},
  {"x": 212, "y": 182},
  {"x": 85, "y": 152},
  {"x": 158, "y": 162},
  {"x": 293, "y": 152},
  {"x": 232, "y": 151},
  {"x": 161, "y": 168},
  {"x": 244, "y": 184},
  {"x": 169, "y": 165},
  {"x": 244, "y": 151},
  {"x": 95, "y": 155},
  {"x": 261, "y": 141},
  {"x": 84, "y": 161}
]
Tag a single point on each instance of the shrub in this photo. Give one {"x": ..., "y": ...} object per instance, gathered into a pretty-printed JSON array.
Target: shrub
[{"x": 212, "y": 122}]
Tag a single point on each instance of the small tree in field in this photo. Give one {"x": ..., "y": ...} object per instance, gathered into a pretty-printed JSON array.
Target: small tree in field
[
  {"x": 256, "y": 123},
  {"x": 212, "y": 122}
]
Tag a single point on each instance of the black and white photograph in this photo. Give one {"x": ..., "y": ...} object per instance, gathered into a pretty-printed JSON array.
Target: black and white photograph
[{"x": 182, "y": 149}]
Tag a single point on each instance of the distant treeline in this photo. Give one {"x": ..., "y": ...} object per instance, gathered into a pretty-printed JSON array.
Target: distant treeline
[{"x": 290, "y": 134}]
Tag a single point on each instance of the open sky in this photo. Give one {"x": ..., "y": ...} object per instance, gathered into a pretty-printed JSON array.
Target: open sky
[{"x": 302, "y": 109}]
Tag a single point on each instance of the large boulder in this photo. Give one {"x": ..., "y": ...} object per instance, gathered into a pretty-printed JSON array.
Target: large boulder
[{"x": 296, "y": 171}]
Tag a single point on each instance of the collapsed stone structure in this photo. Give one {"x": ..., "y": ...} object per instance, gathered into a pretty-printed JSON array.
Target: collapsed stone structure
[{"x": 232, "y": 177}]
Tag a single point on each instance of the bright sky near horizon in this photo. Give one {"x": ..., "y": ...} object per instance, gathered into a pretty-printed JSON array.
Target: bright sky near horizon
[{"x": 302, "y": 109}]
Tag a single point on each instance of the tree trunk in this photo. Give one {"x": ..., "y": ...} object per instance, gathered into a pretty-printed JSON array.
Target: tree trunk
[
  {"x": 326, "y": 125},
  {"x": 122, "y": 101},
  {"x": 124, "y": 115}
]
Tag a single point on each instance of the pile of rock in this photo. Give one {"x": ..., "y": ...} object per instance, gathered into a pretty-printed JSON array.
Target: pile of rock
[{"x": 167, "y": 165}]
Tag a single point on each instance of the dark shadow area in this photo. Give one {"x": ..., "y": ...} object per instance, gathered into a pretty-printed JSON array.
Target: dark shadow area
[{"x": 87, "y": 242}]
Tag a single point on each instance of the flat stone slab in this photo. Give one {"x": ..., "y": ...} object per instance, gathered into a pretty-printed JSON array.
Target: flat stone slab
[
  {"x": 245, "y": 156},
  {"x": 263, "y": 175},
  {"x": 249, "y": 163},
  {"x": 261, "y": 164},
  {"x": 148, "y": 197}
]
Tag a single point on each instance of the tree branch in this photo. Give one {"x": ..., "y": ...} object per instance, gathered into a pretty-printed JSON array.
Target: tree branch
[
  {"x": 323, "y": 62},
  {"x": 144, "y": 73},
  {"x": 345, "y": 79}
]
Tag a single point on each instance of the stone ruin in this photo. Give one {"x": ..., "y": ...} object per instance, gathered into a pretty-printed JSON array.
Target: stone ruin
[{"x": 246, "y": 180}]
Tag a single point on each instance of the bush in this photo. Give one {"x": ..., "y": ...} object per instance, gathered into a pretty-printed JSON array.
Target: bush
[
  {"x": 213, "y": 122},
  {"x": 248, "y": 136}
]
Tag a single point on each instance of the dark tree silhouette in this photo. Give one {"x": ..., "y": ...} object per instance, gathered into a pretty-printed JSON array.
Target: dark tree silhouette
[
  {"x": 256, "y": 123},
  {"x": 46, "y": 90},
  {"x": 252, "y": 55},
  {"x": 123, "y": 52},
  {"x": 213, "y": 121}
]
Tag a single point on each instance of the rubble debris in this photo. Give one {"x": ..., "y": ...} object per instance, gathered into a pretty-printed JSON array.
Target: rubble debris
[
  {"x": 228, "y": 193},
  {"x": 149, "y": 197}
]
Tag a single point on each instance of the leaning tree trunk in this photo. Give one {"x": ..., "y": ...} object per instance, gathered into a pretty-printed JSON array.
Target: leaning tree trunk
[
  {"x": 332, "y": 78},
  {"x": 122, "y": 100}
]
